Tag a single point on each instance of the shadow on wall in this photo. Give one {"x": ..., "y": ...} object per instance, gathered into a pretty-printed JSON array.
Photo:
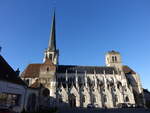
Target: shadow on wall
[
  {"x": 39, "y": 99},
  {"x": 139, "y": 97}
]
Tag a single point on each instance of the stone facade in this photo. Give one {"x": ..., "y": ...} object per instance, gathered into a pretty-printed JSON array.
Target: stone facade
[{"x": 81, "y": 86}]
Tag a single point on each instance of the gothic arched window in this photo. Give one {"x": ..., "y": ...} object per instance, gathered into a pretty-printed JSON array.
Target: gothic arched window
[
  {"x": 118, "y": 86},
  {"x": 94, "y": 99},
  {"x": 126, "y": 99},
  {"x": 116, "y": 98},
  {"x": 83, "y": 98},
  {"x": 105, "y": 98}
]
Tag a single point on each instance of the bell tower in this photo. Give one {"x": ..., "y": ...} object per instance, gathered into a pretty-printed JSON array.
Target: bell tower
[
  {"x": 113, "y": 58},
  {"x": 51, "y": 52}
]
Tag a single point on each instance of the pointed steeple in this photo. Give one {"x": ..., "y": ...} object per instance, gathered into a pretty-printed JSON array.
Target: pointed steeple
[
  {"x": 52, "y": 41},
  {"x": 52, "y": 52}
]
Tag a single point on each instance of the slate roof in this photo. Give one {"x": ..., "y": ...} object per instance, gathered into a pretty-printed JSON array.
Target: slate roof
[
  {"x": 128, "y": 70},
  {"x": 87, "y": 69},
  {"x": 8, "y": 74},
  {"x": 33, "y": 70}
]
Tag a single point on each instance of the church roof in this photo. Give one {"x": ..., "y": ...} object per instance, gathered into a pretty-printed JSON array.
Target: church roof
[
  {"x": 32, "y": 71},
  {"x": 87, "y": 69},
  {"x": 128, "y": 70},
  {"x": 8, "y": 74}
]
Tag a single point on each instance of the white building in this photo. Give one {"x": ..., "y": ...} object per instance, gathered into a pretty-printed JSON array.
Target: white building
[{"x": 79, "y": 86}]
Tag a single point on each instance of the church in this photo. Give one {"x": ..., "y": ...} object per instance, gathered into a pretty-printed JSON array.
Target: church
[{"x": 108, "y": 86}]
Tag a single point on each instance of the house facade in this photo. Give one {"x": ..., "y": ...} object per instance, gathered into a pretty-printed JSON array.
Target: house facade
[{"x": 12, "y": 88}]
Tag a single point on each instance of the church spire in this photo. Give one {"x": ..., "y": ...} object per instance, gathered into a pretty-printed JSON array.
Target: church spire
[
  {"x": 52, "y": 52},
  {"x": 52, "y": 41}
]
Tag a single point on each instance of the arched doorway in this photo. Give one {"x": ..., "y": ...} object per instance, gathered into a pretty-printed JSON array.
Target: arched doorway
[{"x": 72, "y": 100}]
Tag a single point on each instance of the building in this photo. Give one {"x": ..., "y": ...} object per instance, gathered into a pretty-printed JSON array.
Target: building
[
  {"x": 14, "y": 92},
  {"x": 147, "y": 97},
  {"x": 12, "y": 88},
  {"x": 79, "y": 86}
]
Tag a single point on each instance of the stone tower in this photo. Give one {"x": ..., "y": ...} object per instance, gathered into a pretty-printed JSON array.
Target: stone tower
[
  {"x": 51, "y": 52},
  {"x": 48, "y": 69},
  {"x": 113, "y": 59}
]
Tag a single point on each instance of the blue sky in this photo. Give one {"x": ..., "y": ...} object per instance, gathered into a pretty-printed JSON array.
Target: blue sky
[{"x": 86, "y": 30}]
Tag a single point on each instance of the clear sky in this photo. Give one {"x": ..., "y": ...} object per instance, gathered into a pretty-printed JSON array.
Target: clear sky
[{"x": 86, "y": 30}]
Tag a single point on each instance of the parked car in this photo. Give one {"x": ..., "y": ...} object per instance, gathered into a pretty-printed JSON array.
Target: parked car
[
  {"x": 90, "y": 106},
  {"x": 131, "y": 105}
]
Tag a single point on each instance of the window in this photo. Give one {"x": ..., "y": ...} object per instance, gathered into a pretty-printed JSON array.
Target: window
[
  {"x": 113, "y": 59},
  {"x": 47, "y": 69},
  {"x": 9, "y": 99},
  {"x": 114, "y": 89},
  {"x": 125, "y": 90},
  {"x": 118, "y": 86},
  {"x": 126, "y": 99},
  {"x": 103, "y": 90},
  {"x": 27, "y": 81},
  {"x": 50, "y": 56},
  {"x": 93, "y": 89},
  {"x": 94, "y": 99},
  {"x": 83, "y": 98},
  {"x": 105, "y": 98},
  {"x": 116, "y": 98},
  {"x": 60, "y": 90},
  {"x": 108, "y": 86}
]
